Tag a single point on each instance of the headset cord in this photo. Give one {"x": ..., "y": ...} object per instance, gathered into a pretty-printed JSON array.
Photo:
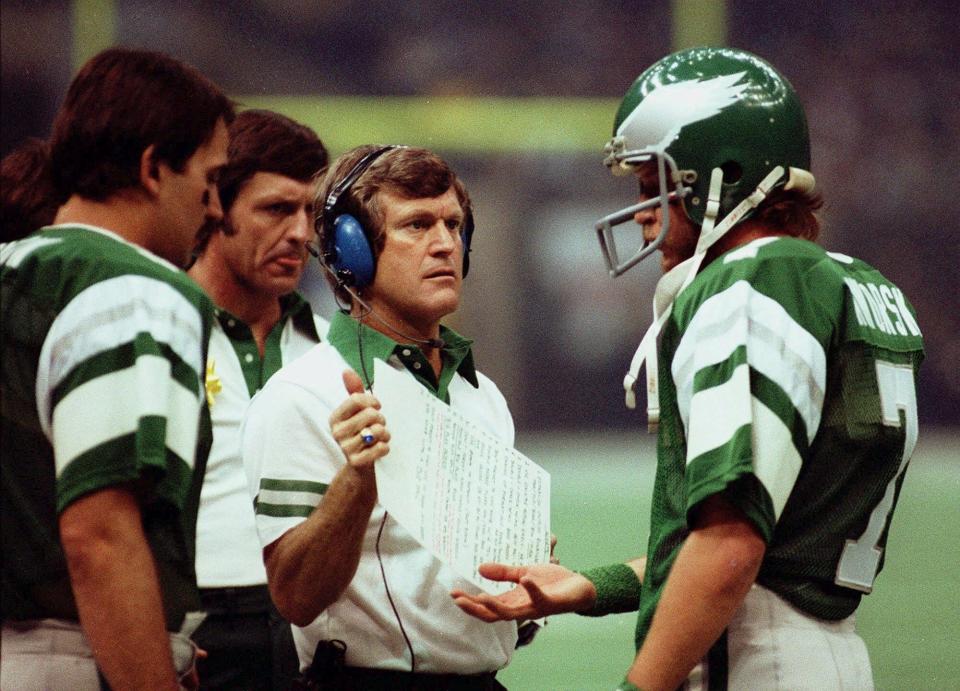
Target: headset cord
[
  {"x": 383, "y": 522},
  {"x": 363, "y": 364},
  {"x": 383, "y": 573}
]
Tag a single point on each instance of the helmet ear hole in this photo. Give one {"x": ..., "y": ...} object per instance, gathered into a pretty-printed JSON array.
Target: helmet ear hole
[{"x": 732, "y": 172}]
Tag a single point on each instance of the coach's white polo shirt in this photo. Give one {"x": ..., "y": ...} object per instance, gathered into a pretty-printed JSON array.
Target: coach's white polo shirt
[{"x": 290, "y": 458}]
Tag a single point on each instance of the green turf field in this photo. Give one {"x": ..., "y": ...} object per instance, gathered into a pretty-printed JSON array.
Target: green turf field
[{"x": 601, "y": 488}]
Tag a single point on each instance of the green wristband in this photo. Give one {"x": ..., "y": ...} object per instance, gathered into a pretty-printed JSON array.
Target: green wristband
[
  {"x": 618, "y": 589},
  {"x": 627, "y": 686}
]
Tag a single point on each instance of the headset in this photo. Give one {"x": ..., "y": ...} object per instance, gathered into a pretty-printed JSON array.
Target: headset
[{"x": 346, "y": 250}]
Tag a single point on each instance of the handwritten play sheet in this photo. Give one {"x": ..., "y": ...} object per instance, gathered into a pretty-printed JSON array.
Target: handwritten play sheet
[{"x": 464, "y": 494}]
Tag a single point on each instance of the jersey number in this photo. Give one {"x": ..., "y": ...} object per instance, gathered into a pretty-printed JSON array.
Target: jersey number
[{"x": 861, "y": 557}]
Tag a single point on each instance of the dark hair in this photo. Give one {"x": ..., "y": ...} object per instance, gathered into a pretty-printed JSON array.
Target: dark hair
[
  {"x": 408, "y": 172},
  {"x": 262, "y": 141},
  {"x": 121, "y": 102},
  {"x": 26, "y": 194},
  {"x": 793, "y": 212}
]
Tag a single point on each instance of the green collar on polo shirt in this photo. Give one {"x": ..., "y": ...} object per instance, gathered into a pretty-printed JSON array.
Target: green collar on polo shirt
[
  {"x": 257, "y": 370},
  {"x": 457, "y": 355}
]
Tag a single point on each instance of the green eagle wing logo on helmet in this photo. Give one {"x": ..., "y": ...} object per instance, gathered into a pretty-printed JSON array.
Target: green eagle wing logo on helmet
[{"x": 659, "y": 117}]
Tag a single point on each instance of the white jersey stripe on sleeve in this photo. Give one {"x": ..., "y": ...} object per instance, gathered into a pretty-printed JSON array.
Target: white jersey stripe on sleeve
[
  {"x": 776, "y": 462},
  {"x": 12, "y": 254},
  {"x": 777, "y": 346},
  {"x": 109, "y": 314},
  {"x": 716, "y": 413},
  {"x": 112, "y": 405}
]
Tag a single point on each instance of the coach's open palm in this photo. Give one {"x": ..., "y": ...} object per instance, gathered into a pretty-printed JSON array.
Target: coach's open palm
[{"x": 542, "y": 590}]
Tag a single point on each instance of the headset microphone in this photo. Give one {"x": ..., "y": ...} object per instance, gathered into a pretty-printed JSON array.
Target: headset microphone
[{"x": 368, "y": 309}]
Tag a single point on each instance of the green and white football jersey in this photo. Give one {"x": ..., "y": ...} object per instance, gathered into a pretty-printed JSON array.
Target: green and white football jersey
[
  {"x": 792, "y": 392},
  {"x": 103, "y": 356}
]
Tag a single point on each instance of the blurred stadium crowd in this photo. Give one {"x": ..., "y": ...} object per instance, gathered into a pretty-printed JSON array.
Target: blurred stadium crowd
[{"x": 880, "y": 86}]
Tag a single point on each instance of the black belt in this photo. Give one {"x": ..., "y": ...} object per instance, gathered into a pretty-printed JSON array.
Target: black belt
[
  {"x": 367, "y": 679},
  {"x": 248, "y": 599},
  {"x": 327, "y": 673}
]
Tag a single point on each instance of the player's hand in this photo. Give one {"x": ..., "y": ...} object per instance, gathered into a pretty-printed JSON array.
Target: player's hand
[
  {"x": 542, "y": 590},
  {"x": 554, "y": 559},
  {"x": 358, "y": 417}
]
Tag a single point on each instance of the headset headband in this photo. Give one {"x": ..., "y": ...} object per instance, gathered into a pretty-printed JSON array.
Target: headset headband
[{"x": 349, "y": 179}]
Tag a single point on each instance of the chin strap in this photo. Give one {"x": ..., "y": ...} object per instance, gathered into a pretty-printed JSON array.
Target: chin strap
[{"x": 675, "y": 281}]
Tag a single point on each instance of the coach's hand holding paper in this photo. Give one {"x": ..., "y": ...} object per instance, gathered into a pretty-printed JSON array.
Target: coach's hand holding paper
[
  {"x": 359, "y": 426},
  {"x": 464, "y": 494}
]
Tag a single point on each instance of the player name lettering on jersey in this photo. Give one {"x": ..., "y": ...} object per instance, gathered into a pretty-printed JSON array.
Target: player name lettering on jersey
[{"x": 882, "y": 307}]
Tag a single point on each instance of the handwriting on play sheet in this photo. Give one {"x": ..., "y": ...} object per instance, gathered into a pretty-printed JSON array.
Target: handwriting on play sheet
[{"x": 463, "y": 493}]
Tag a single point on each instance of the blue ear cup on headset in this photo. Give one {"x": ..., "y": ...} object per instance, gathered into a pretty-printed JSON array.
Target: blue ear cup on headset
[
  {"x": 348, "y": 253},
  {"x": 352, "y": 257}
]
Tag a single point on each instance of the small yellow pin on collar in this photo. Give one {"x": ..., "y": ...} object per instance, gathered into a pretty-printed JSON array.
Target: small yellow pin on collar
[{"x": 212, "y": 383}]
